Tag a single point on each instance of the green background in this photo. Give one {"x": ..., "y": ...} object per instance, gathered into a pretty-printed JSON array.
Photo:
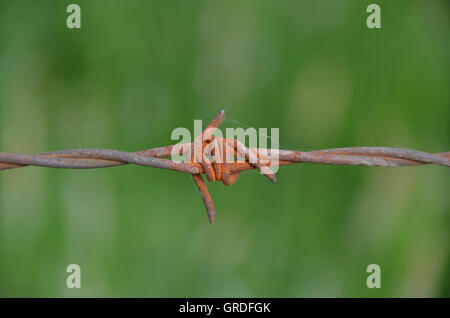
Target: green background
[{"x": 138, "y": 69}]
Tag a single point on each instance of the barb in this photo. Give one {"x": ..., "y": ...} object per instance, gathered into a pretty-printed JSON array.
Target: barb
[{"x": 221, "y": 170}]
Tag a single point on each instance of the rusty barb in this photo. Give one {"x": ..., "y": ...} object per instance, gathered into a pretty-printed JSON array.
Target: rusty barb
[{"x": 200, "y": 162}]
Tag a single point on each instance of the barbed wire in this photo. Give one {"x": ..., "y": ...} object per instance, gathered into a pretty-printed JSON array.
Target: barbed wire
[{"x": 199, "y": 153}]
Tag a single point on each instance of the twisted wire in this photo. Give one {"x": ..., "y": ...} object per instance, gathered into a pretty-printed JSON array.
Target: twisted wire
[{"x": 200, "y": 163}]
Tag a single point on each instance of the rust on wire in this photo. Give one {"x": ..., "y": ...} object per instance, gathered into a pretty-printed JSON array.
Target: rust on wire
[{"x": 222, "y": 170}]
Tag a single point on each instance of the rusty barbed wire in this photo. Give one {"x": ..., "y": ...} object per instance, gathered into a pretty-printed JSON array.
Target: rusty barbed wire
[{"x": 222, "y": 170}]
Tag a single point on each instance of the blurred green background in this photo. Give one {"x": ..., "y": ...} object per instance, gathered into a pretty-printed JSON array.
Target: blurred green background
[{"x": 138, "y": 69}]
